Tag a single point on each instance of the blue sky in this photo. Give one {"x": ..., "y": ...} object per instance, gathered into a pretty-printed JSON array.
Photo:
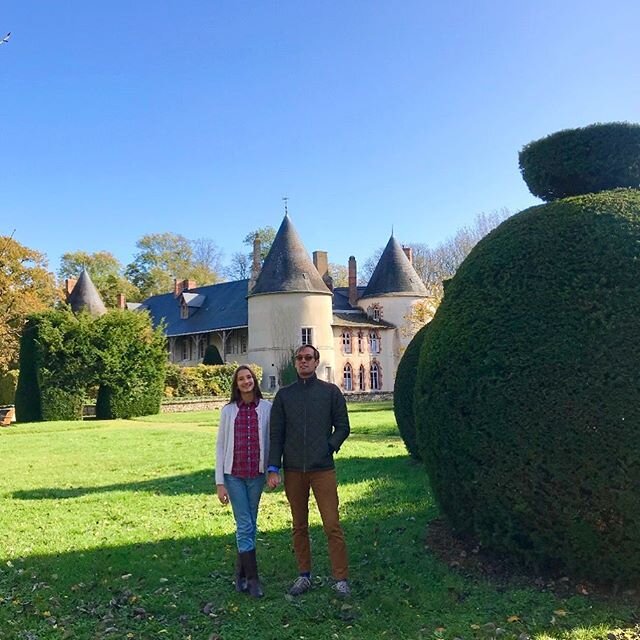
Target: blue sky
[{"x": 123, "y": 118}]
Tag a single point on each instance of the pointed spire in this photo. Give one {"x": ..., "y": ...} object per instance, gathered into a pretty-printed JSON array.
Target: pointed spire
[
  {"x": 288, "y": 266},
  {"x": 85, "y": 296},
  {"x": 394, "y": 274}
]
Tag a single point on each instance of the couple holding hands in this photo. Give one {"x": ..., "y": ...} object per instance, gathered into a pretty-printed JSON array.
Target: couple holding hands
[{"x": 299, "y": 433}]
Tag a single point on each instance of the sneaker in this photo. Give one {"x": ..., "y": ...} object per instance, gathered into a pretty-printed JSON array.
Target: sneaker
[
  {"x": 300, "y": 585},
  {"x": 341, "y": 587}
]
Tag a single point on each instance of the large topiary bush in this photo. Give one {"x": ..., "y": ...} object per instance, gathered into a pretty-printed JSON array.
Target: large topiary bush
[
  {"x": 131, "y": 365},
  {"x": 212, "y": 355},
  {"x": 403, "y": 389},
  {"x": 579, "y": 161},
  {"x": 528, "y": 394}
]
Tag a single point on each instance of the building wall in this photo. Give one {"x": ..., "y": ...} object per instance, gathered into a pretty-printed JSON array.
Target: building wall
[{"x": 276, "y": 321}]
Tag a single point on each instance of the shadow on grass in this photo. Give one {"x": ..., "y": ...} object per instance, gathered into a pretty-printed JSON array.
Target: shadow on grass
[{"x": 202, "y": 482}]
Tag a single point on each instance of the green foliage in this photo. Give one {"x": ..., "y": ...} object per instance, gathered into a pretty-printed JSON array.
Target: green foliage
[
  {"x": 28, "y": 400},
  {"x": 527, "y": 399},
  {"x": 202, "y": 380},
  {"x": 403, "y": 392},
  {"x": 579, "y": 161},
  {"x": 131, "y": 365},
  {"x": 212, "y": 355},
  {"x": 8, "y": 382}
]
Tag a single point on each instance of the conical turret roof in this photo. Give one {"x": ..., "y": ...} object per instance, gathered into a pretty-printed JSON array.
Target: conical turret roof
[
  {"x": 288, "y": 267},
  {"x": 85, "y": 296},
  {"x": 394, "y": 275}
]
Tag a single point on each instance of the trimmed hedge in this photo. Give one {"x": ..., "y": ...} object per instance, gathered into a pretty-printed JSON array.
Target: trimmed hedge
[
  {"x": 579, "y": 161},
  {"x": 8, "y": 382},
  {"x": 202, "y": 380},
  {"x": 212, "y": 355},
  {"x": 528, "y": 391},
  {"x": 28, "y": 400},
  {"x": 403, "y": 393},
  {"x": 131, "y": 365}
]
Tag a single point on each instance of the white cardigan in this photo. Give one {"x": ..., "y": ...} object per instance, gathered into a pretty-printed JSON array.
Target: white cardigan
[{"x": 224, "y": 443}]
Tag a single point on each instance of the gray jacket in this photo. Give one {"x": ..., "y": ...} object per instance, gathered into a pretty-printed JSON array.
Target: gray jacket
[{"x": 309, "y": 423}]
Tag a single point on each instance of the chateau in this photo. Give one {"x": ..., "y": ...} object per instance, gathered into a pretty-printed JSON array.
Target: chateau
[{"x": 360, "y": 331}]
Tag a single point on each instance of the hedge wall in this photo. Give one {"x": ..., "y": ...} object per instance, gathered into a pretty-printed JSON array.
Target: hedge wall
[
  {"x": 528, "y": 392},
  {"x": 403, "y": 393}
]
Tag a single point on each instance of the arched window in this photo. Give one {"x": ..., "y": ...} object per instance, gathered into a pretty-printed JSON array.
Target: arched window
[
  {"x": 347, "y": 378},
  {"x": 374, "y": 342},
  {"x": 362, "y": 378},
  {"x": 374, "y": 376},
  {"x": 360, "y": 342},
  {"x": 346, "y": 342}
]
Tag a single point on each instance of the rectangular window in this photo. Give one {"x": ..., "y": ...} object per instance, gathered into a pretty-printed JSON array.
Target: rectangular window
[
  {"x": 186, "y": 348},
  {"x": 272, "y": 383},
  {"x": 329, "y": 374},
  {"x": 376, "y": 313},
  {"x": 360, "y": 342},
  {"x": 202, "y": 345},
  {"x": 243, "y": 344},
  {"x": 374, "y": 342},
  {"x": 346, "y": 342},
  {"x": 307, "y": 335}
]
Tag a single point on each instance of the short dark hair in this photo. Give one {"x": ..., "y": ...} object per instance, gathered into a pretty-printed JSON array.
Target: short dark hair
[
  {"x": 236, "y": 396},
  {"x": 316, "y": 353}
]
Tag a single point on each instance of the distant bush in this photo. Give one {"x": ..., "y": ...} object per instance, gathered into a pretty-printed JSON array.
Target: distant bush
[
  {"x": 202, "y": 380},
  {"x": 579, "y": 161},
  {"x": 8, "y": 383},
  {"x": 212, "y": 355},
  {"x": 403, "y": 393}
]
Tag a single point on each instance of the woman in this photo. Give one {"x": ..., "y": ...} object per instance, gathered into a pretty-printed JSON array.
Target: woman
[{"x": 241, "y": 461}]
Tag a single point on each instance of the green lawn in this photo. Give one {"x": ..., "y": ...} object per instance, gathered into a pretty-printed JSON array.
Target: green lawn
[{"x": 112, "y": 530}]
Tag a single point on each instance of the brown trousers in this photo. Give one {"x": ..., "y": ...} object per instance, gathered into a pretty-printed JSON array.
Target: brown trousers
[{"x": 325, "y": 490}]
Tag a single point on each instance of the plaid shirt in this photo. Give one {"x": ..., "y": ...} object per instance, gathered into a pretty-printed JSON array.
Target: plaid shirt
[{"x": 246, "y": 444}]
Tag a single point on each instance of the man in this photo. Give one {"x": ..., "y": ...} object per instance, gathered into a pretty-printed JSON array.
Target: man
[{"x": 309, "y": 423}]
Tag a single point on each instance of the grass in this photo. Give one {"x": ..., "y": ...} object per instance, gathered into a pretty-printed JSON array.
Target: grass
[{"x": 112, "y": 530}]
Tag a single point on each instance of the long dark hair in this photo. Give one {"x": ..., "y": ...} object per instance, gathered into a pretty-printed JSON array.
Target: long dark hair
[{"x": 236, "y": 396}]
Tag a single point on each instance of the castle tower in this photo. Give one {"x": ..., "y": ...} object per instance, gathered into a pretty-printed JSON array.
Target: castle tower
[
  {"x": 393, "y": 289},
  {"x": 85, "y": 297},
  {"x": 288, "y": 305}
]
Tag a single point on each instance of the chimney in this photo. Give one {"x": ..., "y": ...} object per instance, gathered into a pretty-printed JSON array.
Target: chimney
[
  {"x": 187, "y": 285},
  {"x": 69, "y": 283},
  {"x": 255, "y": 263},
  {"x": 177, "y": 287},
  {"x": 321, "y": 262},
  {"x": 121, "y": 302},
  {"x": 408, "y": 251},
  {"x": 353, "y": 279}
]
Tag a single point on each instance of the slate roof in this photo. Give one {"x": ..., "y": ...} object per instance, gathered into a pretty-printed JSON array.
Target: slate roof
[
  {"x": 85, "y": 297},
  {"x": 361, "y": 319},
  {"x": 394, "y": 275},
  {"x": 212, "y": 308},
  {"x": 341, "y": 298},
  {"x": 288, "y": 267}
]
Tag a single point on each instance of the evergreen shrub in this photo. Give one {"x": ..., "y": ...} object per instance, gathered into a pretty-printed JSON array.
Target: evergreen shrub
[
  {"x": 8, "y": 382},
  {"x": 403, "y": 393},
  {"x": 202, "y": 380},
  {"x": 28, "y": 400},
  {"x": 579, "y": 161},
  {"x": 212, "y": 355},
  {"x": 131, "y": 365},
  {"x": 528, "y": 390}
]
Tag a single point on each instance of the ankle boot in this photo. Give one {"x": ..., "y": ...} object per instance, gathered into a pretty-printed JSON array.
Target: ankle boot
[
  {"x": 251, "y": 571},
  {"x": 241, "y": 580}
]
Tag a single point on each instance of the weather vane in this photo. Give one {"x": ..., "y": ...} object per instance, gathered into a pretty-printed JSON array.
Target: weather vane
[{"x": 286, "y": 209}]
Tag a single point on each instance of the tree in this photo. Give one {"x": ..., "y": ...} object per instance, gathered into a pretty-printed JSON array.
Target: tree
[
  {"x": 106, "y": 273},
  {"x": 339, "y": 274},
  {"x": 241, "y": 263},
  {"x": 26, "y": 286},
  {"x": 162, "y": 257}
]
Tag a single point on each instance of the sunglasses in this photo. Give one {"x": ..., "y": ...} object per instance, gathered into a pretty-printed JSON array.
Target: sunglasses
[{"x": 307, "y": 358}]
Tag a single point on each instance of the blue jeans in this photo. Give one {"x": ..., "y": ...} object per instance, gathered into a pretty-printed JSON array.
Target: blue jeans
[{"x": 244, "y": 495}]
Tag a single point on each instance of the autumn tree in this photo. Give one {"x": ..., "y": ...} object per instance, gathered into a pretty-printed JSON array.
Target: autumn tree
[
  {"x": 161, "y": 257},
  {"x": 241, "y": 262},
  {"x": 106, "y": 273},
  {"x": 339, "y": 274},
  {"x": 26, "y": 286}
]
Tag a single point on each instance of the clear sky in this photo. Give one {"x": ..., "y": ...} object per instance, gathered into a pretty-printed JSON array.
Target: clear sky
[{"x": 129, "y": 117}]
